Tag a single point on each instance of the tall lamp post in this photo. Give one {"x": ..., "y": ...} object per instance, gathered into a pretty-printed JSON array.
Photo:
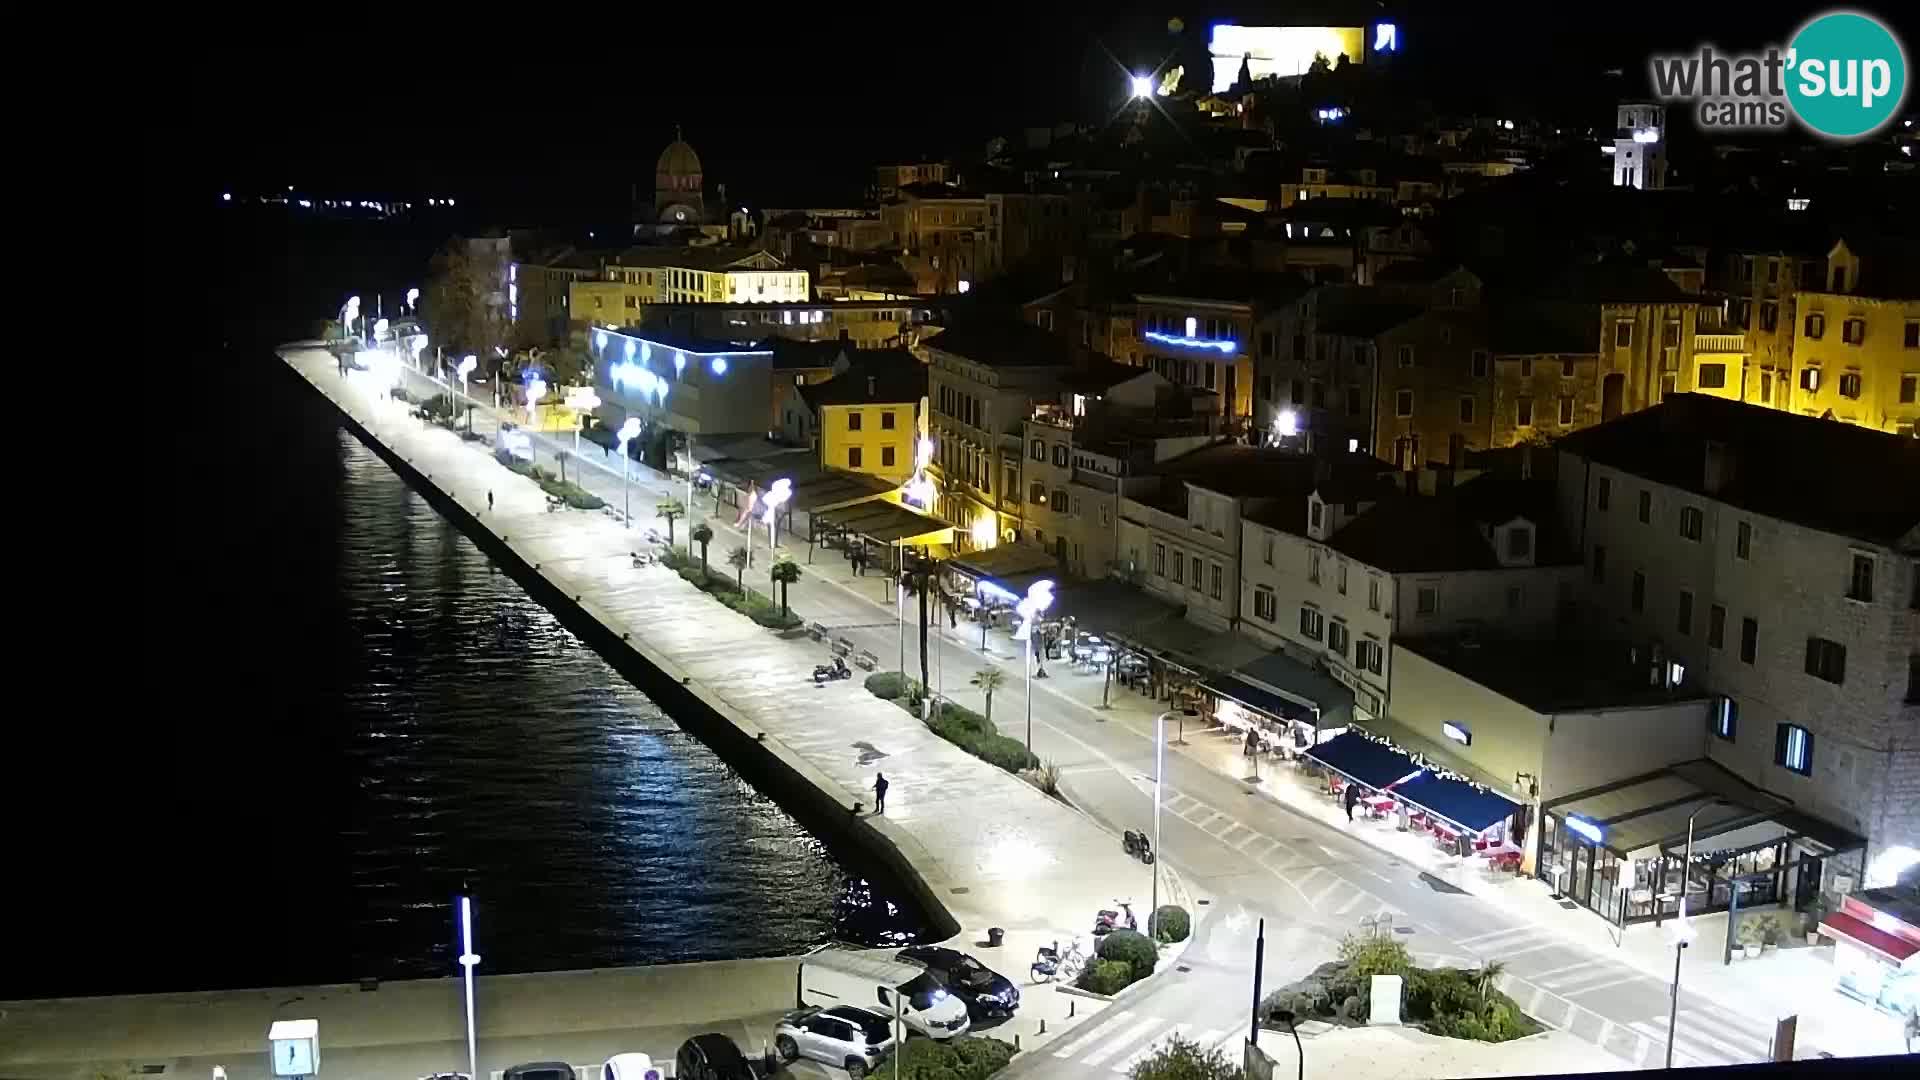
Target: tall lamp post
[
  {"x": 465, "y": 368},
  {"x": 1683, "y": 930},
  {"x": 1038, "y": 599},
  {"x": 468, "y": 961},
  {"x": 1159, "y": 759},
  {"x": 628, "y": 432}
]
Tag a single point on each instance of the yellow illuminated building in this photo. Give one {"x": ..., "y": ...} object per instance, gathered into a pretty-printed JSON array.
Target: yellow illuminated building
[{"x": 870, "y": 418}]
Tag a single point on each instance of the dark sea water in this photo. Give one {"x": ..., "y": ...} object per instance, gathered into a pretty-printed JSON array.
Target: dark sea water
[{"x": 355, "y": 716}]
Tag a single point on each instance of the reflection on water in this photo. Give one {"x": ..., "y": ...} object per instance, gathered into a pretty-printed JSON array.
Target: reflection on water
[{"x": 489, "y": 746}]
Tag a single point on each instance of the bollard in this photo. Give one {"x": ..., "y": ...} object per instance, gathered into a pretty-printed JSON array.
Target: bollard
[
  {"x": 1016, "y": 1042},
  {"x": 1043, "y": 1026},
  {"x": 1071, "y": 1007}
]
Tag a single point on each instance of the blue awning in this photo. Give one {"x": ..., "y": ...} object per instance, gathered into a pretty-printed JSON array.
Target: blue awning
[
  {"x": 1359, "y": 758},
  {"x": 1457, "y": 801},
  {"x": 1257, "y": 698}
]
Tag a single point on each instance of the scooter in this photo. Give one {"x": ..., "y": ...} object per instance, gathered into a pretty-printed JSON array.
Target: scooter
[
  {"x": 1139, "y": 845},
  {"x": 1107, "y": 920},
  {"x": 826, "y": 673}
]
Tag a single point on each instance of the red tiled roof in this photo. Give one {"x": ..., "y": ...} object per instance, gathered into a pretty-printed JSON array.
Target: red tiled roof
[{"x": 1893, "y": 947}]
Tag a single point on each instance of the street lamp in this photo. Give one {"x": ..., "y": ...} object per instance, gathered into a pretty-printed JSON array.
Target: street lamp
[
  {"x": 1142, "y": 85},
  {"x": 1159, "y": 757},
  {"x": 413, "y": 300},
  {"x": 1683, "y": 930},
  {"x": 1038, "y": 599},
  {"x": 628, "y": 432},
  {"x": 536, "y": 388},
  {"x": 468, "y": 961}
]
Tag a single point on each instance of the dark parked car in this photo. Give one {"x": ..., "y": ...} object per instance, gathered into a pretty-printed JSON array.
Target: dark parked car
[
  {"x": 986, "y": 992},
  {"x": 712, "y": 1056},
  {"x": 540, "y": 1070}
]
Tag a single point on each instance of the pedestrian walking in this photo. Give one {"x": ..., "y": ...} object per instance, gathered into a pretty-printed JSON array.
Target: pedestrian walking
[
  {"x": 489, "y": 502},
  {"x": 1353, "y": 798},
  {"x": 879, "y": 792}
]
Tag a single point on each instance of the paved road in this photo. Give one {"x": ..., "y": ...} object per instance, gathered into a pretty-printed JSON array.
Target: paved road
[{"x": 1248, "y": 855}]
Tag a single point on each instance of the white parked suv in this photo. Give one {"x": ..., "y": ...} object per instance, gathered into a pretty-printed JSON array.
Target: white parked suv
[{"x": 844, "y": 1036}]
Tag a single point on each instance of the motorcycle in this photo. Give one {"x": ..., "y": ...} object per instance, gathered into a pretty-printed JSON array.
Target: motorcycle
[
  {"x": 1050, "y": 963},
  {"x": 826, "y": 673},
  {"x": 1106, "y": 921},
  {"x": 1139, "y": 845}
]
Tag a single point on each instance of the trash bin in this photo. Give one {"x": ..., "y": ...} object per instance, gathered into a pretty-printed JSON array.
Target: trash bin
[{"x": 994, "y": 936}]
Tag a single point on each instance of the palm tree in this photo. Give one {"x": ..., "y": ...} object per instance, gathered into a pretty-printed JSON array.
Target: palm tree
[
  {"x": 702, "y": 534},
  {"x": 737, "y": 558},
  {"x": 988, "y": 680},
  {"x": 670, "y": 509},
  {"x": 1490, "y": 972},
  {"x": 785, "y": 573}
]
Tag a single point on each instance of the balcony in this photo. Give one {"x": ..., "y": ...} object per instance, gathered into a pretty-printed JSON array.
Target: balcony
[{"x": 1719, "y": 343}]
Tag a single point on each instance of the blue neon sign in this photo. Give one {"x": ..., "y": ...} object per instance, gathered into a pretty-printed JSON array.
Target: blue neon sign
[
  {"x": 1227, "y": 345},
  {"x": 1585, "y": 828}
]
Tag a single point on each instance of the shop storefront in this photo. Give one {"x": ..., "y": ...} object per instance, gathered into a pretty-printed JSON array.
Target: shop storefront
[
  {"x": 1464, "y": 817},
  {"x": 1876, "y": 956},
  {"x": 1621, "y": 850},
  {"x": 1279, "y": 703}
]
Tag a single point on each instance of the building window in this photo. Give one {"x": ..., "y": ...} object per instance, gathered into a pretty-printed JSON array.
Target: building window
[
  {"x": 853, "y": 419},
  {"x": 1793, "y": 749},
  {"x": 1692, "y": 522},
  {"x": 1769, "y": 315},
  {"x": 1623, "y": 334},
  {"x": 1566, "y": 367},
  {"x": 1340, "y": 579},
  {"x": 1037, "y": 450},
  {"x": 1716, "y": 626},
  {"x": 1826, "y": 660},
  {"x": 1566, "y": 409},
  {"x": 1526, "y": 367},
  {"x": 1266, "y": 388},
  {"x": 1368, "y": 654},
  {"x": 1712, "y": 377},
  {"x": 1815, "y": 325},
  {"x": 853, "y": 457},
  {"x": 1179, "y": 569},
  {"x": 1037, "y": 493},
  {"x": 1743, "y": 540},
  {"x": 1373, "y": 593},
  {"x": 1266, "y": 549},
  {"x": 886, "y": 420},
  {"x": 1516, "y": 597},
  {"x": 1426, "y": 599},
  {"x": 1523, "y": 412},
  {"x": 1313, "y": 566},
  {"x": 1059, "y": 501},
  {"x": 1683, "y": 619},
  {"x": 1913, "y": 679},
  {"x": 1312, "y": 624},
  {"x": 1263, "y": 603},
  {"x": 1853, "y": 331},
  {"x": 1405, "y": 354},
  {"x": 1060, "y": 455},
  {"x": 1860, "y": 580},
  {"x": 1479, "y": 363},
  {"x": 1337, "y": 639},
  {"x": 886, "y": 457},
  {"x": 1466, "y": 410},
  {"x": 1403, "y": 403},
  {"x": 1160, "y": 560},
  {"x": 1850, "y": 386},
  {"x": 1911, "y": 339},
  {"x": 1605, "y": 494},
  {"x": 1519, "y": 542},
  {"x": 1013, "y": 484},
  {"x": 1216, "y": 576},
  {"x": 1639, "y": 595},
  {"x": 1599, "y": 564},
  {"x": 1646, "y": 507},
  {"x": 1749, "y": 640},
  {"x": 1810, "y": 379},
  {"x": 1196, "y": 573},
  {"x": 1909, "y": 387},
  {"x": 1726, "y": 718}
]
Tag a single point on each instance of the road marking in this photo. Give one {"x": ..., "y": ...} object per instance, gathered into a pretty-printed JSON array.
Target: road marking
[
  {"x": 1251, "y": 837},
  {"x": 1141, "y": 1054},
  {"x": 1088, "y": 1038},
  {"x": 1312, "y": 872},
  {"x": 1358, "y": 899},
  {"x": 1688, "y": 1044},
  {"x": 1337, "y": 884},
  {"x": 1551, "y": 973},
  {"x": 1213, "y": 1037},
  {"x": 1510, "y": 931},
  {"x": 1231, "y": 828},
  {"x": 1206, "y": 826},
  {"x": 1587, "y": 982},
  {"x": 1508, "y": 954},
  {"x": 1123, "y": 1040}
]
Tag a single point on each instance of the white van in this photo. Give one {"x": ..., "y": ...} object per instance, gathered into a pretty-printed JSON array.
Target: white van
[{"x": 874, "y": 980}]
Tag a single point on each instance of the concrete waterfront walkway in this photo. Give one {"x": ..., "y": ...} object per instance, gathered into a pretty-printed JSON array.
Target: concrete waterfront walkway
[{"x": 1073, "y": 724}]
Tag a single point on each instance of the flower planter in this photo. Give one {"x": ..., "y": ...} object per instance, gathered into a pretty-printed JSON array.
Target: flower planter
[
  {"x": 1813, "y": 937},
  {"x": 1752, "y": 951}
]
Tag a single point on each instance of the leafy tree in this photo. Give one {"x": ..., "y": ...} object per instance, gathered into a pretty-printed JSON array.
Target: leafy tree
[
  {"x": 702, "y": 534},
  {"x": 737, "y": 558},
  {"x": 1180, "y": 1058},
  {"x": 1366, "y": 956},
  {"x": 462, "y": 302},
  {"x": 670, "y": 509},
  {"x": 785, "y": 573},
  {"x": 988, "y": 680}
]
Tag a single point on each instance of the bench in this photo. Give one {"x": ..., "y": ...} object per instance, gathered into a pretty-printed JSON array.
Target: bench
[
  {"x": 842, "y": 647},
  {"x": 865, "y": 660},
  {"x": 817, "y": 631}
]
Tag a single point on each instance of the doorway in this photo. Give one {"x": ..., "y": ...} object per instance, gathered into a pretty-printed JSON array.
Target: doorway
[{"x": 1613, "y": 392}]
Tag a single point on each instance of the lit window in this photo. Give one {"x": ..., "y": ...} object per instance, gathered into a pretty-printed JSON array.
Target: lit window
[
  {"x": 1793, "y": 749},
  {"x": 1726, "y": 718}
]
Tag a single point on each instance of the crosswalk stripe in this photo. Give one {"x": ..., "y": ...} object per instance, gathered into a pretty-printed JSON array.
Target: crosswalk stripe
[
  {"x": 1683, "y": 1050},
  {"x": 1211, "y": 1038},
  {"x": 1089, "y": 1037},
  {"x": 1312, "y": 872},
  {"x": 1508, "y": 954},
  {"x": 1123, "y": 1040},
  {"x": 1328, "y": 891},
  {"x": 1267, "y": 840},
  {"x": 1141, "y": 1054},
  {"x": 1585, "y": 981},
  {"x": 1510, "y": 931},
  {"x": 1704, "y": 1043},
  {"x": 1357, "y": 899}
]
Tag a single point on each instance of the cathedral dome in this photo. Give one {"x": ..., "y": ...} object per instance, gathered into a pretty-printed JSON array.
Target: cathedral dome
[{"x": 678, "y": 159}]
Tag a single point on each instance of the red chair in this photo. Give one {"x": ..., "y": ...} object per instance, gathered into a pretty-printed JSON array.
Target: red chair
[{"x": 1480, "y": 843}]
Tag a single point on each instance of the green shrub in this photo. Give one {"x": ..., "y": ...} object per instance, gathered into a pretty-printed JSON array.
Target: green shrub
[
  {"x": 1008, "y": 753},
  {"x": 1133, "y": 947},
  {"x": 1107, "y": 976},
  {"x": 886, "y": 685},
  {"x": 1183, "y": 1059},
  {"x": 1170, "y": 923},
  {"x": 1367, "y": 956},
  {"x": 969, "y": 1057}
]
